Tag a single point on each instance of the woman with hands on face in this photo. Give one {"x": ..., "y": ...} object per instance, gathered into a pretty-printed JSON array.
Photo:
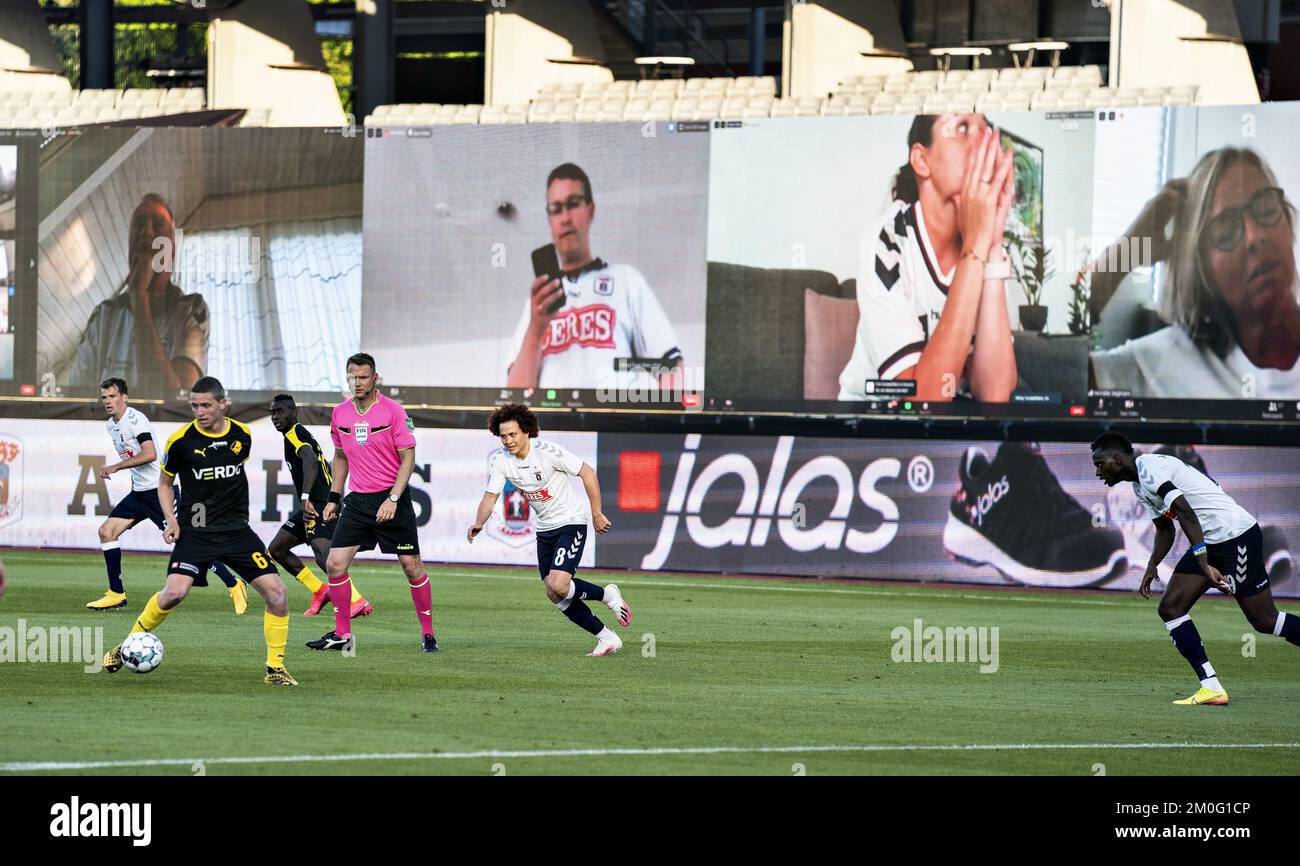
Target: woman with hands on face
[{"x": 932, "y": 276}]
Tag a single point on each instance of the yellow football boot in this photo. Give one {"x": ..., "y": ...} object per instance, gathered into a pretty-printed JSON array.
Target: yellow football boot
[
  {"x": 1205, "y": 696},
  {"x": 110, "y": 601}
]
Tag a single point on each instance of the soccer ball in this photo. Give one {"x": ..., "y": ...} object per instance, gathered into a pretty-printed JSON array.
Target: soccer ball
[{"x": 142, "y": 651}]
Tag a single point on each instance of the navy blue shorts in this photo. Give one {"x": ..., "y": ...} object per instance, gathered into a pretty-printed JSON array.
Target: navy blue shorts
[
  {"x": 1240, "y": 560},
  {"x": 140, "y": 505},
  {"x": 561, "y": 549}
]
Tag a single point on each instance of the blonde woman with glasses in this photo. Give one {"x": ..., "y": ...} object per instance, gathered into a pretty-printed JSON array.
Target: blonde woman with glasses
[{"x": 1229, "y": 291}]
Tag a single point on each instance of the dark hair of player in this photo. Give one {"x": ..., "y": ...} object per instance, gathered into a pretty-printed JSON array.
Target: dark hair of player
[
  {"x": 361, "y": 359},
  {"x": 517, "y": 412},
  {"x": 569, "y": 171},
  {"x": 209, "y": 385},
  {"x": 119, "y": 384},
  {"x": 283, "y": 398},
  {"x": 1112, "y": 441}
]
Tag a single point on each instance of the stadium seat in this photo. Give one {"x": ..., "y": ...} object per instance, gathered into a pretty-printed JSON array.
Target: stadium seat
[
  {"x": 1101, "y": 97},
  {"x": 884, "y": 104},
  {"x": 636, "y": 108},
  {"x": 685, "y": 108}
]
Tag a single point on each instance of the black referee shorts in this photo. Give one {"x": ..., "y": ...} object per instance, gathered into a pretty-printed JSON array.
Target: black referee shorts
[{"x": 357, "y": 526}]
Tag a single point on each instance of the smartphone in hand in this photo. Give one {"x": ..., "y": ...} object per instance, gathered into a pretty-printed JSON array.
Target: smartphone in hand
[{"x": 546, "y": 262}]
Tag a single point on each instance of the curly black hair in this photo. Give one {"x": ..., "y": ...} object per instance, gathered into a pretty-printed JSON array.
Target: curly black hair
[{"x": 517, "y": 412}]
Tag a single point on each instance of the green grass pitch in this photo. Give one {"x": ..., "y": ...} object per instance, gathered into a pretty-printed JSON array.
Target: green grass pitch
[{"x": 717, "y": 676}]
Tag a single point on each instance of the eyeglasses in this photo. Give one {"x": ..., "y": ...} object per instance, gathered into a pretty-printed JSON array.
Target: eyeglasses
[
  {"x": 573, "y": 202},
  {"x": 1227, "y": 228}
]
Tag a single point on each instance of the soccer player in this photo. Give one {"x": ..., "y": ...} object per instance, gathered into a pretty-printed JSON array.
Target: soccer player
[
  {"x": 208, "y": 456},
  {"x": 132, "y": 438},
  {"x": 540, "y": 470},
  {"x": 311, "y": 481},
  {"x": 374, "y": 443},
  {"x": 1226, "y": 551}
]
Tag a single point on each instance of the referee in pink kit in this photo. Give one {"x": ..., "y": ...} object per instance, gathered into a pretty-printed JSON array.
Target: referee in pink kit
[{"x": 373, "y": 440}]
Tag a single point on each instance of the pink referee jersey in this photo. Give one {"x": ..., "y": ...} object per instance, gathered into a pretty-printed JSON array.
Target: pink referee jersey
[{"x": 370, "y": 442}]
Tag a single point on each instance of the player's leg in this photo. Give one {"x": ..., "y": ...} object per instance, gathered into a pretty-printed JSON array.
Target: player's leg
[
  {"x": 244, "y": 552},
  {"x": 109, "y": 533},
  {"x": 558, "y": 553},
  {"x": 292, "y": 533},
  {"x": 1252, "y": 591},
  {"x": 275, "y": 627},
  {"x": 1265, "y": 618},
  {"x": 340, "y": 590},
  {"x": 155, "y": 612},
  {"x": 354, "y": 530},
  {"x": 320, "y": 535},
  {"x": 421, "y": 596},
  {"x": 1184, "y": 589}
]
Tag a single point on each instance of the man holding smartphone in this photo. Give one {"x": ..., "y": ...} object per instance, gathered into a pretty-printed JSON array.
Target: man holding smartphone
[{"x": 587, "y": 323}]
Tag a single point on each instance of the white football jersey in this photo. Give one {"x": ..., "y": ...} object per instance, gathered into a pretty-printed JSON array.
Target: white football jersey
[
  {"x": 901, "y": 294},
  {"x": 1221, "y": 518},
  {"x": 543, "y": 479},
  {"x": 127, "y": 434},
  {"x": 609, "y": 312}
]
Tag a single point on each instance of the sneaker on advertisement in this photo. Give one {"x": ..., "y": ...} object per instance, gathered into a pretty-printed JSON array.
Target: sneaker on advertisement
[{"x": 1011, "y": 513}]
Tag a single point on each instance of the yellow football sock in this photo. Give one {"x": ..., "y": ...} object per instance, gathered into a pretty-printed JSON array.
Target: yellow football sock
[
  {"x": 276, "y": 630},
  {"x": 309, "y": 580},
  {"x": 356, "y": 596},
  {"x": 151, "y": 617}
]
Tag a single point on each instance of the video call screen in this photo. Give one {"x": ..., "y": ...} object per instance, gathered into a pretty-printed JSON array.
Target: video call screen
[
  {"x": 548, "y": 257},
  {"x": 169, "y": 254},
  {"x": 1135, "y": 263}
]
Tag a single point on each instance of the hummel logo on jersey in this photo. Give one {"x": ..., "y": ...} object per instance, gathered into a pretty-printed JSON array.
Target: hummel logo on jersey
[
  {"x": 592, "y": 325},
  {"x": 980, "y": 507},
  {"x": 211, "y": 473}
]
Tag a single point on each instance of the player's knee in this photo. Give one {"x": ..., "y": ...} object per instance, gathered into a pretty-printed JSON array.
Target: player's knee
[
  {"x": 557, "y": 584},
  {"x": 414, "y": 571},
  {"x": 1170, "y": 610},
  {"x": 168, "y": 598},
  {"x": 278, "y": 549},
  {"x": 108, "y": 532},
  {"x": 335, "y": 566},
  {"x": 277, "y": 600}
]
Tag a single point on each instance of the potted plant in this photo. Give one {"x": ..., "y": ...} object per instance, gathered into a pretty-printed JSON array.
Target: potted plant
[{"x": 1030, "y": 264}]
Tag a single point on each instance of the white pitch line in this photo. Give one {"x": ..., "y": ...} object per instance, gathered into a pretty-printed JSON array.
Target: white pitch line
[{"x": 23, "y": 767}]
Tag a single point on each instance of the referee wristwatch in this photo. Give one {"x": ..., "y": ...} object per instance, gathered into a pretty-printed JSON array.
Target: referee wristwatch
[{"x": 393, "y": 497}]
